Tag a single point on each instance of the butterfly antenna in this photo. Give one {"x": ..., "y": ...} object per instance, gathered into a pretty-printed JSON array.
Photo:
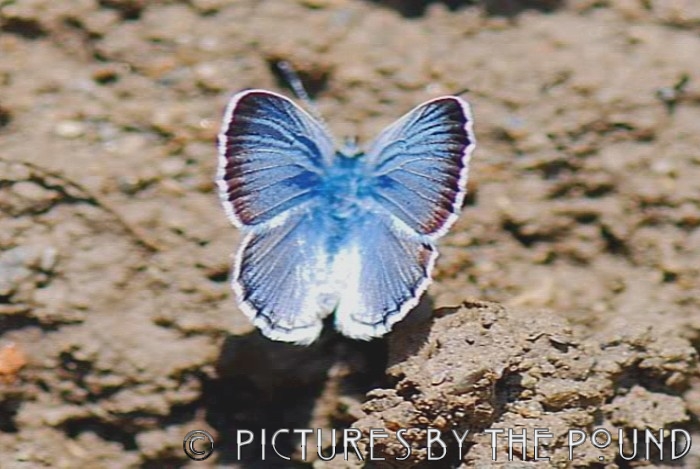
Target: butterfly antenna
[
  {"x": 295, "y": 83},
  {"x": 461, "y": 92}
]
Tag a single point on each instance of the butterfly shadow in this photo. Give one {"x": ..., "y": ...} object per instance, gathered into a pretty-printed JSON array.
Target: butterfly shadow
[
  {"x": 263, "y": 384},
  {"x": 411, "y": 334}
]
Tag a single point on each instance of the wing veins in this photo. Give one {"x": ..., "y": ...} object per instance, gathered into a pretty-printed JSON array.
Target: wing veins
[
  {"x": 277, "y": 125},
  {"x": 272, "y": 180},
  {"x": 255, "y": 170},
  {"x": 297, "y": 139},
  {"x": 425, "y": 176},
  {"x": 269, "y": 246},
  {"x": 281, "y": 202},
  {"x": 395, "y": 204},
  {"x": 404, "y": 163},
  {"x": 295, "y": 143},
  {"x": 420, "y": 194}
]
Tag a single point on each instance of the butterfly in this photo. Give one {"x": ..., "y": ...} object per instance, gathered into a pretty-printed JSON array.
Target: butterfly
[{"x": 332, "y": 229}]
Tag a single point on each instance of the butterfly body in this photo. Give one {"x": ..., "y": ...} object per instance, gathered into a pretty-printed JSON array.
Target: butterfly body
[
  {"x": 345, "y": 190},
  {"x": 331, "y": 230}
]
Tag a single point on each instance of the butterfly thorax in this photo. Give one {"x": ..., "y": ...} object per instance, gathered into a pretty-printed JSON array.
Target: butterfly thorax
[{"x": 346, "y": 186}]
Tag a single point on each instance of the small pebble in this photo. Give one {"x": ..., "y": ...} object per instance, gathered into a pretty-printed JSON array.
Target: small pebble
[{"x": 69, "y": 129}]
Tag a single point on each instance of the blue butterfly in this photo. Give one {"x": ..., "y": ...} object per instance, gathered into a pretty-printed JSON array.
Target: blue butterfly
[{"x": 331, "y": 229}]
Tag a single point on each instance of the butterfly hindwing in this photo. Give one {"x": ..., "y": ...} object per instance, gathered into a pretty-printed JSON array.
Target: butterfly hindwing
[
  {"x": 279, "y": 278},
  {"x": 272, "y": 155},
  {"x": 421, "y": 164},
  {"x": 389, "y": 269}
]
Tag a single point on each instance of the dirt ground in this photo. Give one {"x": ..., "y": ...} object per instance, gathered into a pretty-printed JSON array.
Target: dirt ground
[{"x": 566, "y": 296}]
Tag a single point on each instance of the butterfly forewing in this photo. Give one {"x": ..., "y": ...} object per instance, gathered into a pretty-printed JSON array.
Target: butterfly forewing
[
  {"x": 272, "y": 156},
  {"x": 421, "y": 164}
]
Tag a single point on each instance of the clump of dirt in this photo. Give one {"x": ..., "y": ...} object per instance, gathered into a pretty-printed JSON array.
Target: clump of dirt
[{"x": 483, "y": 366}]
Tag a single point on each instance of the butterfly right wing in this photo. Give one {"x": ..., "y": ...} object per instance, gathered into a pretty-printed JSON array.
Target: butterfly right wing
[
  {"x": 420, "y": 165},
  {"x": 386, "y": 269},
  {"x": 418, "y": 175},
  {"x": 272, "y": 157}
]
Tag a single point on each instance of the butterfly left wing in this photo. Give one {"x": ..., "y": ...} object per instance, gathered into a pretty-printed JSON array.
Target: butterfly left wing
[
  {"x": 420, "y": 165},
  {"x": 280, "y": 277},
  {"x": 272, "y": 157}
]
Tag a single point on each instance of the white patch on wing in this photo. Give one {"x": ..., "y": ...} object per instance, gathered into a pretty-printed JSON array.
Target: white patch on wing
[
  {"x": 281, "y": 278},
  {"x": 320, "y": 294},
  {"x": 347, "y": 268}
]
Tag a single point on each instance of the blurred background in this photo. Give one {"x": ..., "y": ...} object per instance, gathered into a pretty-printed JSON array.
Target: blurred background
[{"x": 118, "y": 329}]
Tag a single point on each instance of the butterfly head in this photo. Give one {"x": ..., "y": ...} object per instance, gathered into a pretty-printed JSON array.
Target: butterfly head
[{"x": 350, "y": 148}]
